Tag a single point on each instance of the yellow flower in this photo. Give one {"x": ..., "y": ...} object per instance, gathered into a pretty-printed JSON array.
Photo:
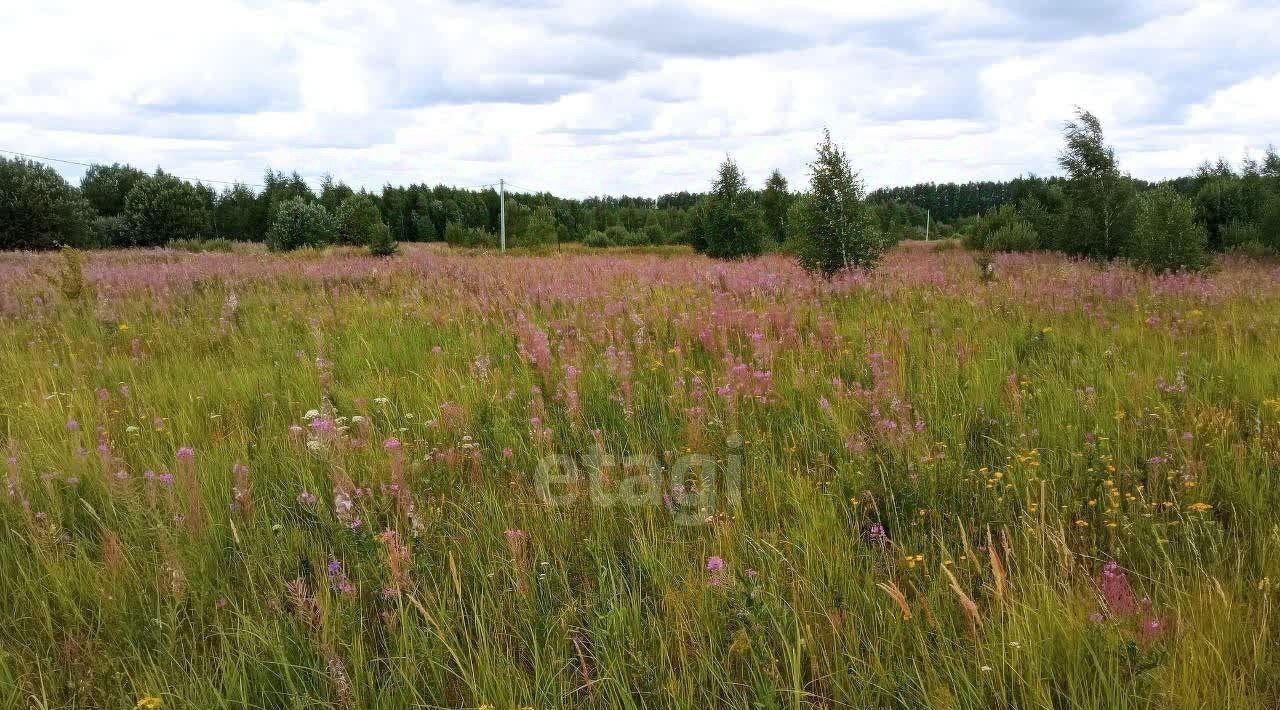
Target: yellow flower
[
  {"x": 123, "y": 328},
  {"x": 1199, "y": 507},
  {"x": 149, "y": 702}
]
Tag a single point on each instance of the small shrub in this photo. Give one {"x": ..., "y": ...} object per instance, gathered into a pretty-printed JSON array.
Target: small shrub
[
  {"x": 1166, "y": 236},
  {"x": 299, "y": 224},
  {"x": 381, "y": 243},
  {"x": 110, "y": 231},
  {"x": 1018, "y": 235},
  {"x": 633, "y": 239},
  {"x": 456, "y": 235},
  {"x": 597, "y": 239},
  {"x": 358, "y": 219}
]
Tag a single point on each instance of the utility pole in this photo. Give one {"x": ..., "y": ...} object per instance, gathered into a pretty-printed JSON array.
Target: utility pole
[
  {"x": 928, "y": 218},
  {"x": 502, "y": 213}
]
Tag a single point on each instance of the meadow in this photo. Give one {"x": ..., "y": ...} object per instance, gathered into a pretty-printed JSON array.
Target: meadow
[{"x": 647, "y": 479}]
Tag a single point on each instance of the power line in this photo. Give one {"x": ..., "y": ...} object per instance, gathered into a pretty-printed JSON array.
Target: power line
[{"x": 29, "y": 156}]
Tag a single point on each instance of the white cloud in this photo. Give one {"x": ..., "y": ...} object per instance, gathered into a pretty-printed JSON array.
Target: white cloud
[{"x": 641, "y": 97}]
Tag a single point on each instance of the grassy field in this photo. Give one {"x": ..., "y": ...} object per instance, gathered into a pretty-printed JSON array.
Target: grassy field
[{"x": 603, "y": 480}]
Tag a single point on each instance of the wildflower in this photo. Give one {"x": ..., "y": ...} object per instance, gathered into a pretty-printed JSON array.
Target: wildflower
[
  {"x": 73, "y": 425},
  {"x": 186, "y": 453},
  {"x": 715, "y": 571},
  {"x": 1199, "y": 507},
  {"x": 877, "y": 534},
  {"x": 149, "y": 702},
  {"x": 392, "y": 444},
  {"x": 307, "y": 498}
]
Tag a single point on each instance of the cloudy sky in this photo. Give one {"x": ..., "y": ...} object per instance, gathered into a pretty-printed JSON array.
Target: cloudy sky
[{"x": 586, "y": 97}]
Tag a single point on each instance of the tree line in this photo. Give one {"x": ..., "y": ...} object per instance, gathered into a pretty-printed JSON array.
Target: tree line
[{"x": 1093, "y": 209}]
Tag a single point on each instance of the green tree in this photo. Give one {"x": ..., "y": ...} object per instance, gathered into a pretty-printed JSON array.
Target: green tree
[
  {"x": 298, "y": 224},
  {"x": 162, "y": 208},
  {"x": 1099, "y": 214},
  {"x": 1166, "y": 236},
  {"x": 774, "y": 203},
  {"x": 730, "y": 223},
  {"x": 537, "y": 228},
  {"x": 39, "y": 209},
  {"x": 358, "y": 219},
  {"x": 838, "y": 230},
  {"x": 380, "y": 242},
  {"x": 107, "y": 186}
]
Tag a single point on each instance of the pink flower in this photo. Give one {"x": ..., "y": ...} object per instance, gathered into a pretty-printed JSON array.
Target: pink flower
[
  {"x": 186, "y": 453},
  {"x": 392, "y": 444}
]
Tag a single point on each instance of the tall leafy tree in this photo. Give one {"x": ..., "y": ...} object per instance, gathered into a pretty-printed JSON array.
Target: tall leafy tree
[
  {"x": 1166, "y": 236},
  {"x": 838, "y": 231},
  {"x": 39, "y": 209},
  {"x": 162, "y": 208},
  {"x": 730, "y": 222},
  {"x": 1100, "y": 207},
  {"x": 774, "y": 203},
  {"x": 107, "y": 186}
]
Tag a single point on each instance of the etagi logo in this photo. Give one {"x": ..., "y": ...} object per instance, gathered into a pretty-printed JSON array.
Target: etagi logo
[{"x": 695, "y": 488}]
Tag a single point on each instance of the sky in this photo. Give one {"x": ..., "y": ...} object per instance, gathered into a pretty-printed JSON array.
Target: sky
[{"x": 626, "y": 97}]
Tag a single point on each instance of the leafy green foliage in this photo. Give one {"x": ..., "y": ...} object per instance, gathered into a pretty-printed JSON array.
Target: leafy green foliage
[
  {"x": 775, "y": 201},
  {"x": 39, "y": 209},
  {"x": 380, "y": 242},
  {"x": 299, "y": 224},
  {"x": 1166, "y": 236},
  {"x": 161, "y": 208},
  {"x": 838, "y": 230},
  {"x": 1099, "y": 214},
  {"x": 357, "y": 220},
  {"x": 107, "y": 186},
  {"x": 730, "y": 223},
  {"x": 456, "y": 235}
]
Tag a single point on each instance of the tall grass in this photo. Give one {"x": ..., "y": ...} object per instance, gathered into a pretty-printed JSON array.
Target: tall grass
[{"x": 238, "y": 480}]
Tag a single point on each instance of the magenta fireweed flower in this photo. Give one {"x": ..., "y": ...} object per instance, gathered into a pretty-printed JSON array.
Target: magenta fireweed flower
[{"x": 1117, "y": 594}]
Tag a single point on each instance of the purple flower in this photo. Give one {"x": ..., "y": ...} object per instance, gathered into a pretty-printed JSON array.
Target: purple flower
[
  {"x": 877, "y": 534},
  {"x": 307, "y": 498},
  {"x": 715, "y": 564},
  {"x": 73, "y": 425},
  {"x": 186, "y": 453},
  {"x": 392, "y": 444}
]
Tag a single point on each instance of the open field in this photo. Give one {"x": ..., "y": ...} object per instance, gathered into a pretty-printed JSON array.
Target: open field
[{"x": 327, "y": 480}]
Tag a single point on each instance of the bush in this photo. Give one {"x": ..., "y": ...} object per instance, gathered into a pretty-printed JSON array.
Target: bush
[
  {"x": 110, "y": 232},
  {"x": 654, "y": 234},
  {"x": 597, "y": 239},
  {"x": 537, "y": 229},
  {"x": 1018, "y": 235},
  {"x": 39, "y": 209},
  {"x": 633, "y": 239},
  {"x": 358, "y": 219},
  {"x": 457, "y": 235},
  {"x": 1166, "y": 236},
  {"x": 162, "y": 208},
  {"x": 1002, "y": 229},
  {"x": 298, "y": 224},
  {"x": 381, "y": 243}
]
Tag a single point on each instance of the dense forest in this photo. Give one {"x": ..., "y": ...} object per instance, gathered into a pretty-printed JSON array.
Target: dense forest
[{"x": 1092, "y": 209}]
